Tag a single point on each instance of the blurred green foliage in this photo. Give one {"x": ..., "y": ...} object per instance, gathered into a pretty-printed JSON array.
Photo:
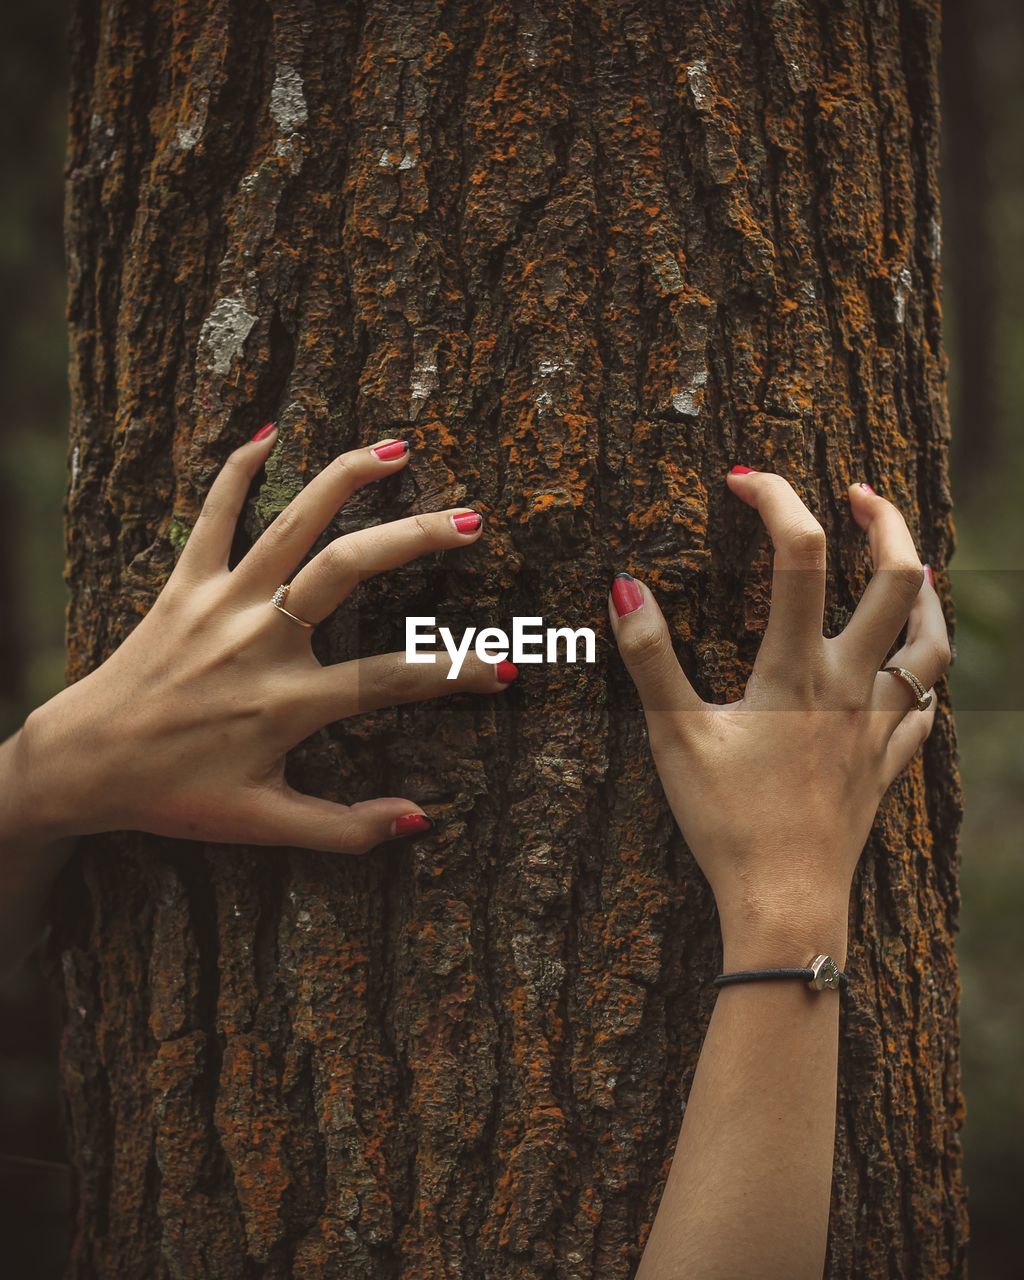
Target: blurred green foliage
[
  {"x": 984, "y": 180},
  {"x": 984, "y": 194},
  {"x": 987, "y": 590},
  {"x": 33, "y": 353},
  {"x": 34, "y": 1200}
]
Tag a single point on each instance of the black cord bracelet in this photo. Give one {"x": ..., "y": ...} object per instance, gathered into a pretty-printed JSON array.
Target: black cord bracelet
[{"x": 822, "y": 974}]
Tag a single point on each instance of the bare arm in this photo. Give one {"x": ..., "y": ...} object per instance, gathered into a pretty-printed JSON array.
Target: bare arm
[
  {"x": 748, "y": 1191},
  {"x": 775, "y": 795},
  {"x": 31, "y": 854}
]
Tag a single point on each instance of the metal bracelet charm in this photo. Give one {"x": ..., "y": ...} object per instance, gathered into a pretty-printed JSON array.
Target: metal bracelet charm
[{"x": 822, "y": 974}]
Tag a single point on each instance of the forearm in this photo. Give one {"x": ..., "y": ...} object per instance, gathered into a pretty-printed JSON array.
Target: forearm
[
  {"x": 749, "y": 1188},
  {"x": 32, "y": 852}
]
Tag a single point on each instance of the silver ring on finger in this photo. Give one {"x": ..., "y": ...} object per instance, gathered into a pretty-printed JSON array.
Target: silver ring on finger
[
  {"x": 922, "y": 696},
  {"x": 278, "y": 599}
]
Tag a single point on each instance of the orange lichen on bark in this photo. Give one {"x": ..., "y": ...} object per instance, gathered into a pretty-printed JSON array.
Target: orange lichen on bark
[{"x": 585, "y": 259}]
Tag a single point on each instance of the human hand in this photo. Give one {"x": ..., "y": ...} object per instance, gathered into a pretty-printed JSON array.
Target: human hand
[
  {"x": 183, "y": 731},
  {"x": 775, "y": 794}
]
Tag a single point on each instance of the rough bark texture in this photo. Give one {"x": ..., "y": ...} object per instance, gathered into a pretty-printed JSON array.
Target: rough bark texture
[{"x": 588, "y": 255}]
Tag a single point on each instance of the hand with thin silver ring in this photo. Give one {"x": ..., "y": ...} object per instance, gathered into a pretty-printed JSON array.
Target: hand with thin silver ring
[
  {"x": 775, "y": 793},
  {"x": 189, "y": 721}
]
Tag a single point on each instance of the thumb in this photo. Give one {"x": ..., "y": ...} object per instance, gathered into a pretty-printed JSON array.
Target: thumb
[
  {"x": 645, "y": 644},
  {"x": 299, "y": 821}
]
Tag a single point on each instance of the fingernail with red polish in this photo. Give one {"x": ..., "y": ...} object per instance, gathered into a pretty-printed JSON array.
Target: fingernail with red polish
[
  {"x": 394, "y": 449},
  {"x": 468, "y": 522},
  {"x": 864, "y": 485},
  {"x": 411, "y": 824},
  {"x": 264, "y": 431},
  {"x": 626, "y": 594},
  {"x": 506, "y": 672},
  {"x": 930, "y": 576},
  {"x": 740, "y": 470}
]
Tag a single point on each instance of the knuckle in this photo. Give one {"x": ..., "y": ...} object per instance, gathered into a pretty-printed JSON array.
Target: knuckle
[
  {"x": 941, "y": 654},
  {"x": 287, "y": 522},
  {"x": 235, "y": 461},
  {"x": 806, "y": 540},
  {"x": 425, "y": 527},
  {"x": 202, "y": 606},
  {"x": 906, "y": 577},
  {"x": 211, "y": 507},
  {"x": 354, "y": 842},
  {"x": 360, "y": 461},
  {"x": 344, "y": 466},
  {"x": 854, "y": 696},
  {"x": 404, "y": 682},
  {"x": 644, "y": 644},
  {"x": 339, "y": 558},
  {"x": 236, "y": 470}
]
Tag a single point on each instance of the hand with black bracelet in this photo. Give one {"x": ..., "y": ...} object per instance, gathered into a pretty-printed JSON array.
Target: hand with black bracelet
[{"x": 775, "y": 795}]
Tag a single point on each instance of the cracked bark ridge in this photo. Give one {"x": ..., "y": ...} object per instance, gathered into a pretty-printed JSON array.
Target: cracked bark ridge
[{"x": 586, "y": 257}]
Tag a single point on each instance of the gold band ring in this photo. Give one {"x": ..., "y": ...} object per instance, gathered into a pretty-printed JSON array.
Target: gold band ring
[
  {"x": 278, "y": 599},
  {"x": 922, "y": 695}
]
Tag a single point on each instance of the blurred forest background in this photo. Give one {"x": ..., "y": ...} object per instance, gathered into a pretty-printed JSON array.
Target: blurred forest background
[{"x": 983, "y": 182}]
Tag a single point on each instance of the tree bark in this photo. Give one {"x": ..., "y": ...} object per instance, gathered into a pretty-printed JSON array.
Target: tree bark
[{"x": 585, "y": 256}]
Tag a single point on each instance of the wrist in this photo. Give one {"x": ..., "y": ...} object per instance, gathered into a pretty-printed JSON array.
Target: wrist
[
  {"x": 33, "y": 848},
  {"x": 785, "y": 931},
  {"x": 37, "y": 767}
]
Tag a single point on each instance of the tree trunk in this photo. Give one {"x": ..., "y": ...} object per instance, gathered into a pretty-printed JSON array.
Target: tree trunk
[{"x": 587, "y": 256}]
